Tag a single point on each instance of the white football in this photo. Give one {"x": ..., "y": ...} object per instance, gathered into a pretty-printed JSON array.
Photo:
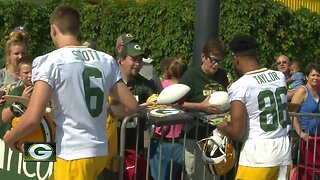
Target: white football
[
  {"x": 220, "y": 98},
  {"x": 172, "y": 93}
]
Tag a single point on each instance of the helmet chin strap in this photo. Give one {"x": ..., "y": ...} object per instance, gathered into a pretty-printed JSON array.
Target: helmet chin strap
[
  {"x": 216, "y": 140},
  {"x": 215, "y": 132}
]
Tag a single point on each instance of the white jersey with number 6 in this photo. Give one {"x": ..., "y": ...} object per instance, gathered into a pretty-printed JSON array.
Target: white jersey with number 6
[
  {"x": 80, "y": 79},
  {"x": 263, "y": 92}
]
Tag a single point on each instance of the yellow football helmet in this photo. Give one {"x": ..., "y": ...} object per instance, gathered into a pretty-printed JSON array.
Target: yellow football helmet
[
  {"x": 153, "y": 98},
  {"x": 44, "y": 133},
  {"x": 218, "y": 153}
]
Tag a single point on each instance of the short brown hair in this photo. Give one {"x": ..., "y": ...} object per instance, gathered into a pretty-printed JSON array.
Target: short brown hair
[
  {"x": 67, "y": 19},
  {"x": 296, "y": 62},
  {"x": 165, "y": 63},
  {"x": 24, "y": 60},
  {"x": 214, "y": 46},
  {"x": 312, "y": 66}
]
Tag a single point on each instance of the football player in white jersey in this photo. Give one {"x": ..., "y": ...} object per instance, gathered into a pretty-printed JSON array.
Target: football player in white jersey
[
  {"x": 258, "y": 115},
  {"x": 78, "y": 80}
]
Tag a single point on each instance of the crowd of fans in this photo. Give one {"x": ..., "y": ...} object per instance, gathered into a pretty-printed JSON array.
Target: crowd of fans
[{"x": 301, "y": 86}]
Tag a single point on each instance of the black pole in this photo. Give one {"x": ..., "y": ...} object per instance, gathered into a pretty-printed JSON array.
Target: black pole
[{"x": 206, "y": 25}]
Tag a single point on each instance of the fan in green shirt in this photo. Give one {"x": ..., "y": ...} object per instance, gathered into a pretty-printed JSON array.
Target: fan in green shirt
[
  {"x": 24, "y": 72},
  {"x": 130, "y": 63},
  {"x": 206, "y": 79},
  {"x": 203, "y": 81}
]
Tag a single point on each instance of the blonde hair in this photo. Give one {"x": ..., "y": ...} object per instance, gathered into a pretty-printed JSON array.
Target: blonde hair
[
  {"x": 16, "y": 38},
  {"x": 177, "y": 68}
]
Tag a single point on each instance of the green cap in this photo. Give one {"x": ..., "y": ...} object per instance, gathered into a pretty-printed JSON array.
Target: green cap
[
  {"x": 132, "y": 49},
  {"x": 124, "y": 39}
]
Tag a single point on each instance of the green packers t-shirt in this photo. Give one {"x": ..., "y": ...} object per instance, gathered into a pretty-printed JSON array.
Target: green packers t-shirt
[{"x": 202, "y": 85}]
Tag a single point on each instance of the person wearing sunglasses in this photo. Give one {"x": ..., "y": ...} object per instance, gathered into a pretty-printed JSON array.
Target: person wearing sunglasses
[
  {"x": 283, "y": 64},
  {"x": 203, "y": 81},
  {"x": 207, "y": 78}
]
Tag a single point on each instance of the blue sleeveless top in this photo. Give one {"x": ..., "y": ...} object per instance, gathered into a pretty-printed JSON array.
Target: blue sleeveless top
[{"x": 310, "y": 105}]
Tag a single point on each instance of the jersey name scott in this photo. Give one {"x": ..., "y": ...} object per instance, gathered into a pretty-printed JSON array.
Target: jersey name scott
[
  {"x": 86, "y": 55},
  {"x": 265, "y": 78}
]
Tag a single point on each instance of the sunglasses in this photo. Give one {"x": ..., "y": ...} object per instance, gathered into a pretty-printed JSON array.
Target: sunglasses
[
  {"x": 214, "y": 60},
  {"x": 282, "y": 62}
]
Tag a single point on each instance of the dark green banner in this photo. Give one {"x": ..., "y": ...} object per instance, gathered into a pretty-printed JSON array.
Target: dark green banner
[{"x": 12, "y": 166}]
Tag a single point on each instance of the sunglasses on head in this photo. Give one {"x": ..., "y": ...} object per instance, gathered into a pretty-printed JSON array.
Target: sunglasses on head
[{"x": 214, "y": 60}]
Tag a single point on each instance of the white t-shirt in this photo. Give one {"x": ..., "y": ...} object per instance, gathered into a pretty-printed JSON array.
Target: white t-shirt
[
  {"x": 80, "y": 79},
  {"x": 264, "y": 94}
]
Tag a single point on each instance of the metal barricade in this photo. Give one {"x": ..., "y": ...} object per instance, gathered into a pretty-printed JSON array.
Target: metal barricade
[
  {"x": 150, "y": 129},
  {"x": 124, "y": 123},
  {"x": 196, "y": 121},
  {"x": 307, "y": 165},
  {"x": 198, "y": 128}
]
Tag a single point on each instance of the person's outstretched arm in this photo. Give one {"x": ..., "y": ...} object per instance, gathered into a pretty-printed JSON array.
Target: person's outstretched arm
[
  {"x": 6, "y": 115},
  {"x": 126, "y": 103},
  {"x": 203, "y": 106},
  {"x": 31, "y": 119},
  {"x": 236, "y": 128},
  {"x": 299, "y": 97}
]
